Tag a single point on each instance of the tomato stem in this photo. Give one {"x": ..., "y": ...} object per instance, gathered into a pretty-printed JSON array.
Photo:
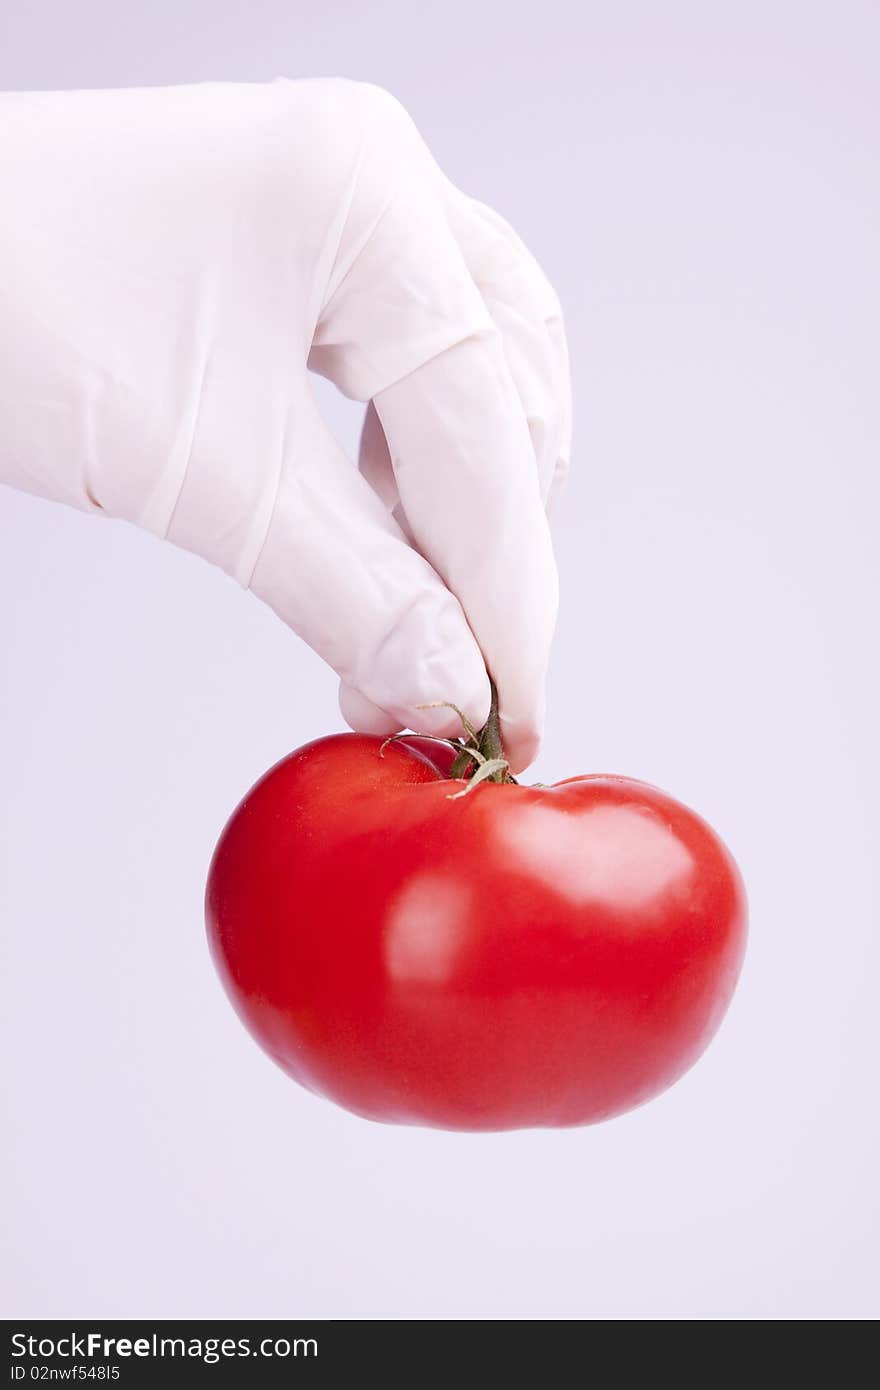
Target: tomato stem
[
  {"x": 484, "y": 749},
  {"x": 488, "y": 746},
  {"x": 490, "y": 735}
]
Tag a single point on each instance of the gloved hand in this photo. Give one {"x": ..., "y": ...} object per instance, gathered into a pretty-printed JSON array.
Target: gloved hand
[{"x": 171, "y": 261}]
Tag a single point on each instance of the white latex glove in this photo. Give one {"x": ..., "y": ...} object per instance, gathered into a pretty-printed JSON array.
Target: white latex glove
[{"x": 171, "y": 262}]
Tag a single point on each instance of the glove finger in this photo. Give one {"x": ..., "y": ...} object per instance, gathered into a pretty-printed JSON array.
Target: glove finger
[
  {"x": 399, "y": 291},
  {"x": 337, "y": 569},
  {"x": 535, "y": 348},
  {"x": 374, "y": 462},
  {"x": 526, "y": 310},
  {"x": 465, "y": 470},
  {"x": 562, "y": 463},
  {"x": 361, "y": 714}
]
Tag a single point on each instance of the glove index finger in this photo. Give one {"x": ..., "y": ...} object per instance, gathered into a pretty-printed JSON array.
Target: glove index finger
[
  {"x": 464, "y": 465},
  {"x": 337, "y": 569}
]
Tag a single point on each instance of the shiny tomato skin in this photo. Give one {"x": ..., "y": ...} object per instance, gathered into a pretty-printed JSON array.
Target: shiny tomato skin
[
  {"x": 517, "y": 957},
  {"x": 442, "y": 755}
]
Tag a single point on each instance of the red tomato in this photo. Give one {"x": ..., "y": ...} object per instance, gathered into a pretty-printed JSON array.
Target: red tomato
[{"x": 518, "y": 956}]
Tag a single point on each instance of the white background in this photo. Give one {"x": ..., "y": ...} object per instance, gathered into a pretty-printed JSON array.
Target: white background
[{"x": 700, "y": 182}]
